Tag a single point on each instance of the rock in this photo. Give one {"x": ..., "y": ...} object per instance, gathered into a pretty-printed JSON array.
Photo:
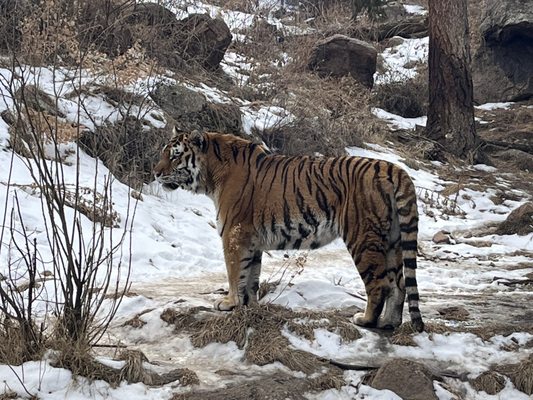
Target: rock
[
  {"x": 198, "y": 37},
  {"x": 503, "y": 20},
  {"x": 519, "y": 222},
  {"x": 441, "y": 237},
  {"x": 456, "y": 313},
  {"x": 127, "y": 147},
  {"x": 190, "y": 110},
  {"x": 408, "y": 379},
  {"x": 339, "y": 55},
  {"x": 502, "y": 65},
  {"x": 178, "y": 100},
  {"x": 520, "y": 159},
  {"x": 207, "y": 39}
]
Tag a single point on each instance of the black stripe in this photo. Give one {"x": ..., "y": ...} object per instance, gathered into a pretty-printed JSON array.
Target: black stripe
[
  {"x": 297, "y": 244},
  {"x": 410, "y": 282},
  {"x": 216, "y": 147},
  {"x": 413, "y": 297},
  {"x": 310, "y": 218},
  {"x": 410, "y": 263},
  {"x": 322, "y": 202},
  {"x": 409, "y": 245},
  {"x": 260, "y": 156},
  {"x": 303, "y": 231},
  {"x": 389, "y": 173},
  {"x": 414, "y": 309},
  {"x": 287, "y": 215},
  {"x": 235, "y": 152},
  {"x": 409, "y": 229}
]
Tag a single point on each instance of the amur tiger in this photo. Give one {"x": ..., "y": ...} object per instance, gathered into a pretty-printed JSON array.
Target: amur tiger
[{"x": 272, "y": 202}]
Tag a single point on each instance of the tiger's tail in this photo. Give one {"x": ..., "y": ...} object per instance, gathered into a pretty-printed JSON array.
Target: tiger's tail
[{"x": 405, "y": 195}]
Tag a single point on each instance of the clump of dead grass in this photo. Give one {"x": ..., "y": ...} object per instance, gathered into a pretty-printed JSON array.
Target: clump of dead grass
[
  {"x": 258, "y": 330},
  {"x": 520, "y": 374},
  {"x": 489, "y": 382},
  {"x": 18, "y": 346},
  {"x": 78, "y": 358}
]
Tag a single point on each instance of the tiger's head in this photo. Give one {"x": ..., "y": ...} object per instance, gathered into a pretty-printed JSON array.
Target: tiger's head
[{"x": 180, "y": 165}]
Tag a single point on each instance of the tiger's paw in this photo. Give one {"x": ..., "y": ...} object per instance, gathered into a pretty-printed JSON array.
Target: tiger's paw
[
  {"x": 225, "y": 304},
  {"x": 361, "y": 320}
]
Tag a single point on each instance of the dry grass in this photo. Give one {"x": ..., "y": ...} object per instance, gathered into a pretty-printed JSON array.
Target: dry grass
[
  {"x": 15, "y": 348},
  {"x": 77, "y": 357},
  {"x": 258, "y": 329},
  {"x": 489, "y": 382},
  {"x": 408, "y": 98},
  {"x": 520, "y": 374}
]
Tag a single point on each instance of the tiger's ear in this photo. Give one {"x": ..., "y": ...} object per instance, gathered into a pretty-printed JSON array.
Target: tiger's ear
[{"x": 197, "y": 139}]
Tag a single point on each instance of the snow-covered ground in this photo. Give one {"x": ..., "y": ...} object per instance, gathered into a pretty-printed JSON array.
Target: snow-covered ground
[{"x": 177, "y": 262}]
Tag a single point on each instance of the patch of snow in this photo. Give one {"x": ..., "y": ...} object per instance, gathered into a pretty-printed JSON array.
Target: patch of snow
[
  {"x": 494, "y": 106},
  {"x": 264, "y": 117},
  {"x": 398, "y": 60},
  {"x": 415, "y": 9},
  {"x": 397, "y": 122}
]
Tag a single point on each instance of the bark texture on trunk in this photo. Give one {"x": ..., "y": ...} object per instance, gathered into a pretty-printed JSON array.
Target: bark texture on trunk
[{"x": 451, "y": 110}]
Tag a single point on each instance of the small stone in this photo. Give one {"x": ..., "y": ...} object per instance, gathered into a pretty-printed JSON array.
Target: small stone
[
  {"x": 456, "y": 313},
  {"x": 441, "y": 237}
]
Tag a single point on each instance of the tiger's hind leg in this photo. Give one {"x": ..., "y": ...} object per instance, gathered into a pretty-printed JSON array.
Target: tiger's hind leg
[
  {"x": 392, "y": 315},
  {"x": 370, "y": 262}
]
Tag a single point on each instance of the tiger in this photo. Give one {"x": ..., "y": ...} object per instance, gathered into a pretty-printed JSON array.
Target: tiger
[{"x": 267, "y": 201}]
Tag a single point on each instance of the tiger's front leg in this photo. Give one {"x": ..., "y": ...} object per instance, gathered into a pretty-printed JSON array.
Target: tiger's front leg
[{"x": 243, "y": 265}]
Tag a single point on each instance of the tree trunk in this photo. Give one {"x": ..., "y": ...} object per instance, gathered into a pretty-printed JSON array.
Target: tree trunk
[{"x": 451, "y": 110}]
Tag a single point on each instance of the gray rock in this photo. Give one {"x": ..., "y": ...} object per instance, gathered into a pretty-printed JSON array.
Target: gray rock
[
  {"x": 339, "y": 55},
  {"x": 408, "y": 379},
  {"x": 441, "y": 237},
  {"x": 190, "y": 110},
  {"x": 502, "y": 67},
  {"x": 519, "y": 222}
]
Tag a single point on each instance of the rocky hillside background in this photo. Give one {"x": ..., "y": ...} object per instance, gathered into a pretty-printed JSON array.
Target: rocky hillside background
[{"x": 106, "y": 80}]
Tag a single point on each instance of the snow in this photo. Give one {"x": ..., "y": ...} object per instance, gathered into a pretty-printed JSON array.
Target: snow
[
  {"x": 399, "y": 61},
  {"x": 415, "y": 9},
  {"x": 397, "y": 122},
  {"x": 494, "y": 106},
  {"x": 177, "y": 258}
]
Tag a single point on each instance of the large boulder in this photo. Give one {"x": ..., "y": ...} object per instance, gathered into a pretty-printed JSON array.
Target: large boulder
[
  {"x": 206, "y": 39},
  {"x": 502, "y": 67},
  {"x": 519, "y": 222},
  {"x": 339, "y": 55},
  {"x": 408, "y": 379},
  {"x": 198, "y": 37},
  {"x": 189, "y": 110}
]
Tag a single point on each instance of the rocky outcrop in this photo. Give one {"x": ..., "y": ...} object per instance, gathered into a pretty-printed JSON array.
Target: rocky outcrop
[
  {"x": 189, "y": 110},
  {"x": 205, "y": 40},
  {"x": 408, "y": 379},
  {"x": 502, "y": 67},
  {"x": 196, "y": 38},
  {"x": 519, "y": 222},
  {"x": 339, "y": 55}
]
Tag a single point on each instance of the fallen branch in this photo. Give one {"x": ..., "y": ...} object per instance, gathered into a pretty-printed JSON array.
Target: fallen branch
[{"x": 512, "y": 282}]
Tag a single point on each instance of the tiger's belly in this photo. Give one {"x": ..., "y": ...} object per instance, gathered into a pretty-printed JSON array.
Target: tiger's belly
[{"x": 297, "y": 236}]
